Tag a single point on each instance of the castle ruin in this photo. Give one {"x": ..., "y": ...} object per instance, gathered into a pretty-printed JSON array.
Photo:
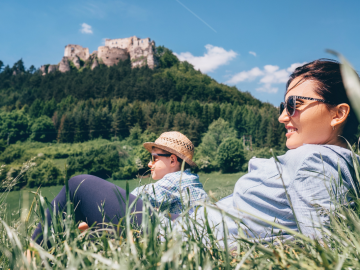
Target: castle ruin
[{"x": 139, "y": 51}]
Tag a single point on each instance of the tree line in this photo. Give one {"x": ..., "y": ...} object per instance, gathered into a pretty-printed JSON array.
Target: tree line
[{"x": 73, "y": 120}]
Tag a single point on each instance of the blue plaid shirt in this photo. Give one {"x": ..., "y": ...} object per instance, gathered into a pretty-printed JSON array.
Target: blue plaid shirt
[{"x": 167, "y": 191}]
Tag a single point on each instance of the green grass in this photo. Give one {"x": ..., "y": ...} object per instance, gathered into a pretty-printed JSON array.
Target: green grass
[
  {"x": 60, "y": 163},
  {"x": 219, "y": 184}
]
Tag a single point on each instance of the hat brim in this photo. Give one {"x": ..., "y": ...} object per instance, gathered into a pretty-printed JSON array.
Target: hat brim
[{"x": 149, "y": 146}]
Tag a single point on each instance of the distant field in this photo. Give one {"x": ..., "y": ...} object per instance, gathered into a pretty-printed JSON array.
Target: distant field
[{"x": 220, "y": 184}]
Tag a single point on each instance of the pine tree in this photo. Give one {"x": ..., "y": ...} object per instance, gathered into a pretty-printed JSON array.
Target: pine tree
[
  {"x": 19, "y": 66},
  {"x": 36, "y": 108},
  {"x": 105, "y": 120},
  {"x": 205, "y": 116},
  {"x": 94, "y": 124},
  {"x": 216, "y": 109},
  {"x": 49, "y": 108},
  {"x": 116, "y": 123},
  {"x": 66, "y": 131},
  {"x": 82, "y": 128}
]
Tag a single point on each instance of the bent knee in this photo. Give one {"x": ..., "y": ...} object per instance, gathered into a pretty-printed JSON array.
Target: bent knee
[
  {"x": 75, "y": 181},
  {"x": 84, "y": 180}
]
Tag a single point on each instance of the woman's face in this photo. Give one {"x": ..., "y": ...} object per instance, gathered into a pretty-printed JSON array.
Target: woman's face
[
  {"x": 161, "y": 165},
  {"x": 311, "y": 123}
]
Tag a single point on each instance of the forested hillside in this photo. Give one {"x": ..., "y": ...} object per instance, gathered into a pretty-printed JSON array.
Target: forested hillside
[
  {"x": 115, "y": 109},
  {"x": 173, "y": 80},
  {"x": 108, "y": 101}
]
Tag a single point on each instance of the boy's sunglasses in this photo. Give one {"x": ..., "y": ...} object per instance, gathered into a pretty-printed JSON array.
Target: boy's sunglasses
[
  {"x": 153, "y": 155},
  {"x": 290, "y": 104}
]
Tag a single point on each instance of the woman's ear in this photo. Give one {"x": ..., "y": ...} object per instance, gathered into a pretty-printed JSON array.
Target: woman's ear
[{"x": 339, "y": 114}]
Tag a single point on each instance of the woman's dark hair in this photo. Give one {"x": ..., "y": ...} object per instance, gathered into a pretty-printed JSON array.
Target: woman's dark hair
[{"x": 326, "y": 73}]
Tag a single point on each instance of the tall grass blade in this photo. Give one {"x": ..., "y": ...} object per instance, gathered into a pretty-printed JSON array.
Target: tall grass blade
[
  {"x": 247, "y": 254},
  {"x": 351, "y": 82}
]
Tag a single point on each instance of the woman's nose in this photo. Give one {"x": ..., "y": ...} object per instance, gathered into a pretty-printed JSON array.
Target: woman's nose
[{"x": 284, "y": 117}]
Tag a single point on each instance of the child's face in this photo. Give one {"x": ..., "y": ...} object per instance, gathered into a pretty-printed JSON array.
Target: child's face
[{"x": 161, "y": 165}]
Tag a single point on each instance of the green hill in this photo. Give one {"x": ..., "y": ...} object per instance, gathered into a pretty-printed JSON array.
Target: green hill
[{"x": 124, "y": 106}]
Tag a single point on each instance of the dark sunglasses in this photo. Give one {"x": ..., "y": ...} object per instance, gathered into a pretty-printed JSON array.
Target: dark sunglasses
[
  {"x": 153, "y": 155},
  {"x": 290, "y": 104}
]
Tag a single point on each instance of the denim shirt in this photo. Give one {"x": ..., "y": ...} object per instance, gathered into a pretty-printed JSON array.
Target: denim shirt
[{"x": 309, "y": 172}]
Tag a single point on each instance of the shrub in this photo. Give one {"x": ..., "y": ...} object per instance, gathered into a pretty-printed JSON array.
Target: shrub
[
  {"x": 60, "y": 155},
  {"x": 230, "y": 155},
  {"x": 46, "y": 174},
  {"x": 13, "y": 125},
  {"x": 13, "y": 152},
  {"x": 43, "y": 130},
  {"x": 205, "y": 156},
  {"x": 2, "y": 145},
  {"x": 101, "y": 162},
  {"x": 126, "y": 172}
]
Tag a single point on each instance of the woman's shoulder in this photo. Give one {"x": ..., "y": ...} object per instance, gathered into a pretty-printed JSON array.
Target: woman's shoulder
[
  {"x": 310, "y": 150},
  {"x": 315, "y": 155}
]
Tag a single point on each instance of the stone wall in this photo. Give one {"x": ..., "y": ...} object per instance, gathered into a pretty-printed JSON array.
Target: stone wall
[
  {"x": 73, "y": 50},
  {"x": 141, "y": 51},
  {"x": 122, "y": 43},
  {"x": 43, "y": 70},
  {"x": 64, "y": 65},
  {"x": 52, "y": 68},
  {"x": 111, "y": 56}
]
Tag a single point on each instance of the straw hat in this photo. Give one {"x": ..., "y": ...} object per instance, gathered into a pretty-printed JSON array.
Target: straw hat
[{"x": 175, "y": 143}]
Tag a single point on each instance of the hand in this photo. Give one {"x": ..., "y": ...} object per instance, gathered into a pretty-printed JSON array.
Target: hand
[
  {"x": 83, "y": 226},
  {"x": 29, "y": 254}
]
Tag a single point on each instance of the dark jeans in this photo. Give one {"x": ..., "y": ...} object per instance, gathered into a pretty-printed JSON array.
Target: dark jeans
[{"x": 91, "y": 193}]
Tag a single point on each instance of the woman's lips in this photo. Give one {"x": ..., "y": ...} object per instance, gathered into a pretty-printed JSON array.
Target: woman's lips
[{"x": 290, "y": 131}]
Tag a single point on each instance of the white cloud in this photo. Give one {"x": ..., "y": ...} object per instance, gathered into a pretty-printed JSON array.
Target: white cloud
[
  {"x": 249, "y": 75},
  {"x": 268, "y": 76},
  {"x": 211, "y": 60},
  {"x": 267, "y": 88},
  {"x": 294, "y": 66},
  {"x": 252, "y": 53},
  {"x": 86, "y": 29}
]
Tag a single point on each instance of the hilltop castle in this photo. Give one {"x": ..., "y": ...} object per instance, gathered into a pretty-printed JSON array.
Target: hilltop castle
[{"x": 139, "y": 51}]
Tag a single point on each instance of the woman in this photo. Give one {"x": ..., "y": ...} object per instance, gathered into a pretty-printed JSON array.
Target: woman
[
  {"x": 318, "y": 119},
  {"x": 168, "y": 152}
]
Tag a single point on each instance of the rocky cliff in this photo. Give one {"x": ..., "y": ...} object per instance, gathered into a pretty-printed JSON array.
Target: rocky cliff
[{"x": 139, "y": 51}]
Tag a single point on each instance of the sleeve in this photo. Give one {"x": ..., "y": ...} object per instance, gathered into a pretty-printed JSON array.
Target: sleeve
[
  {"x": 310, "y": 193},
  {"x": 135, "y": 192},
  {"x": 166, "y": 197}
]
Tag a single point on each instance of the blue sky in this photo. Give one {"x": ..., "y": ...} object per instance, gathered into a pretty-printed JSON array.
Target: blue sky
[{"x": 251, "y": 44}]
